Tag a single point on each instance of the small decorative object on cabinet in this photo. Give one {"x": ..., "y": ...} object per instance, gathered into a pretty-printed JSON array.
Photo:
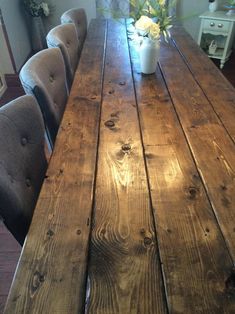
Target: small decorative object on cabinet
[
  {"x": 220, "y": 28},
  {"x": 212, "y": 47},
  {"x": 213, "y": 5}
]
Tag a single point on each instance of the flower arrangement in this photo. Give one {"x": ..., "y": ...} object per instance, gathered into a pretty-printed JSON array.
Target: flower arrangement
[
  {"x": 35, "y": 8},
  {"x": 146, "y": 27},
  {"x": 157, "y": 10}
]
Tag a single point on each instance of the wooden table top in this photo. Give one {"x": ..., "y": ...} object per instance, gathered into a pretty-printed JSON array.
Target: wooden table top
[{"x": 137, "y": 212}]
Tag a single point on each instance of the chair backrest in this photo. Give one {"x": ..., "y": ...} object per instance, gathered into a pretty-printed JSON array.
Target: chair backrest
[
  {"x": 79, "y": 18},
  {"x": 65, "y": 37},
  {"x": 44, "y": 76},
  {"x": 22, "y": 163}
]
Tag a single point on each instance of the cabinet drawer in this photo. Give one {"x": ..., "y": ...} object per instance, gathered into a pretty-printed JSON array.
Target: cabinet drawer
[{"x": 216, "y": 25}]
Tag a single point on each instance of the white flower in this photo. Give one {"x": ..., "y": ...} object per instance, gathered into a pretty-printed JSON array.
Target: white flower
[
  {"x": 161, "y": 2},
  {"x": 146, "y": 27},
  {"x": 45, "y": 8},
  {"x": 154, "y": 31},
  {"x": 143, "y": 23}
]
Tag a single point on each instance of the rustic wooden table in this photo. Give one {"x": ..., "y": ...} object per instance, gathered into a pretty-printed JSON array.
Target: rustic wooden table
[{"x": 137, "y": 212}]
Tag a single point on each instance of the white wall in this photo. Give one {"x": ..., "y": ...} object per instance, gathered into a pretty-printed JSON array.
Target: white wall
[
  {"x": 16, "y": 30},
  {"x": 60, "y": 6},
  {"x": 16, "y": 25}
]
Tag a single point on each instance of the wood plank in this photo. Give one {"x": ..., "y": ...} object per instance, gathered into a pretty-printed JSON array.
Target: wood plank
[
  {"x": 8, "y": 261},
  {"x": 3, "y": 299},
  {"x": 51, "y": 276},
  {"x": 8, "y": 243},
  {"x": 5, "y": 282},
  {"x": 211, "y": 146},
  {"x": 124, "y": 269},
  {"x": 216, "y": 87},
  {"x": 195, "y": 259}
]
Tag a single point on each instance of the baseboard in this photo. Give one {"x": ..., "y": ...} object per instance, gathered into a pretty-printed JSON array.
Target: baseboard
[
  {"x": 3, "y": 86},
  {"x": 12, "y": 80}
]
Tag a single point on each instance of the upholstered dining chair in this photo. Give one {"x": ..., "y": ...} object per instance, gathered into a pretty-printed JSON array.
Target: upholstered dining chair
[
  {"x": 79, "y": 18},
  {"x": 22, "y": 163},
  {"x": 43, "y": 76},
  {"x": 65, "y": 37}
]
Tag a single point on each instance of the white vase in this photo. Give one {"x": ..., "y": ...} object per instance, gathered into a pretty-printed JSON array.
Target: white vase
[
  {"x": 149, "y": 55},
  {"x": 213, "y": 6}
]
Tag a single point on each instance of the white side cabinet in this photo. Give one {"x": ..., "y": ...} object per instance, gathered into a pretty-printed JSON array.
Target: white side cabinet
[{"x": 216, "y": 35}]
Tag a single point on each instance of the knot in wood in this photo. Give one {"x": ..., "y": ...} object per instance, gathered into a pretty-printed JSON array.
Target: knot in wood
[
  {"x": 41, "y": 278},
  {"x": 122, "y": 83},
  {"x": 147, "y": 241},
  {"x": 38, "y": 279},
  {"x": 50, "y": 233},
  {"x": 223, "y": 187},
  {"x": 126, "y": 148},
  {"x": 109, "y": 123},
  {"x": 230, "y": 282},
  {"x": 192, "y": 192}
]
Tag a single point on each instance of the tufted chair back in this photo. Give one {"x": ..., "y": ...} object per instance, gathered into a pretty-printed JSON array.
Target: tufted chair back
[
  {"x": 22, "y": 163},
  {"x": 79, "y": 18},
  {"x": 44, "y": 76},
  {"x": 65, "y": 37}
]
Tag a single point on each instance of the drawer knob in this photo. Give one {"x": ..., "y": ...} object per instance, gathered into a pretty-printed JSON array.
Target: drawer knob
[
  {"x": 220, "y": 25},
  {"x": 212, "y": 24}
]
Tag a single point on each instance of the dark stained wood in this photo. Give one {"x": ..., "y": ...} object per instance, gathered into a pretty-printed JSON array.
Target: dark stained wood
[
  {"x": 10, "y": 94},
  {"x": 5, "y": 282},
  {"x": 147, "y": 190},
  {"x": 211, "y": 146},
  {"x": 215, "y": 86},
  {"x": 6, "y": 263},
  {"x": 124, "y": 269},
  {"x": 195, "y": 259},
  {"x": 3, "y": 299},
  {"x": 229, "y": 68},
  {"x": 53, "y": 264}
]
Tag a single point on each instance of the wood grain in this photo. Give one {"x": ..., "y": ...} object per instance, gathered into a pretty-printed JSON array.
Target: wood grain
[
  {"x": 215, "y": 86},
  {"x": 124, "y": 270},
  {"x": 211, "y": 146},
  {"x": 195, "y": 259},
  {"x": 2, "y": 303},
  {"x": 105, "y": 194},
  {"x": 52, "y": 272}
]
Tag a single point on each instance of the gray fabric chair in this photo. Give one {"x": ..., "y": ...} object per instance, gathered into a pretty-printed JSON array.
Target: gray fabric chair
[
  {"x": 65, "y": 37},
  {"x": 22, "y": 163},
  {"x": 79, "y": 18},
  {"x": 44, "y": 76}
]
